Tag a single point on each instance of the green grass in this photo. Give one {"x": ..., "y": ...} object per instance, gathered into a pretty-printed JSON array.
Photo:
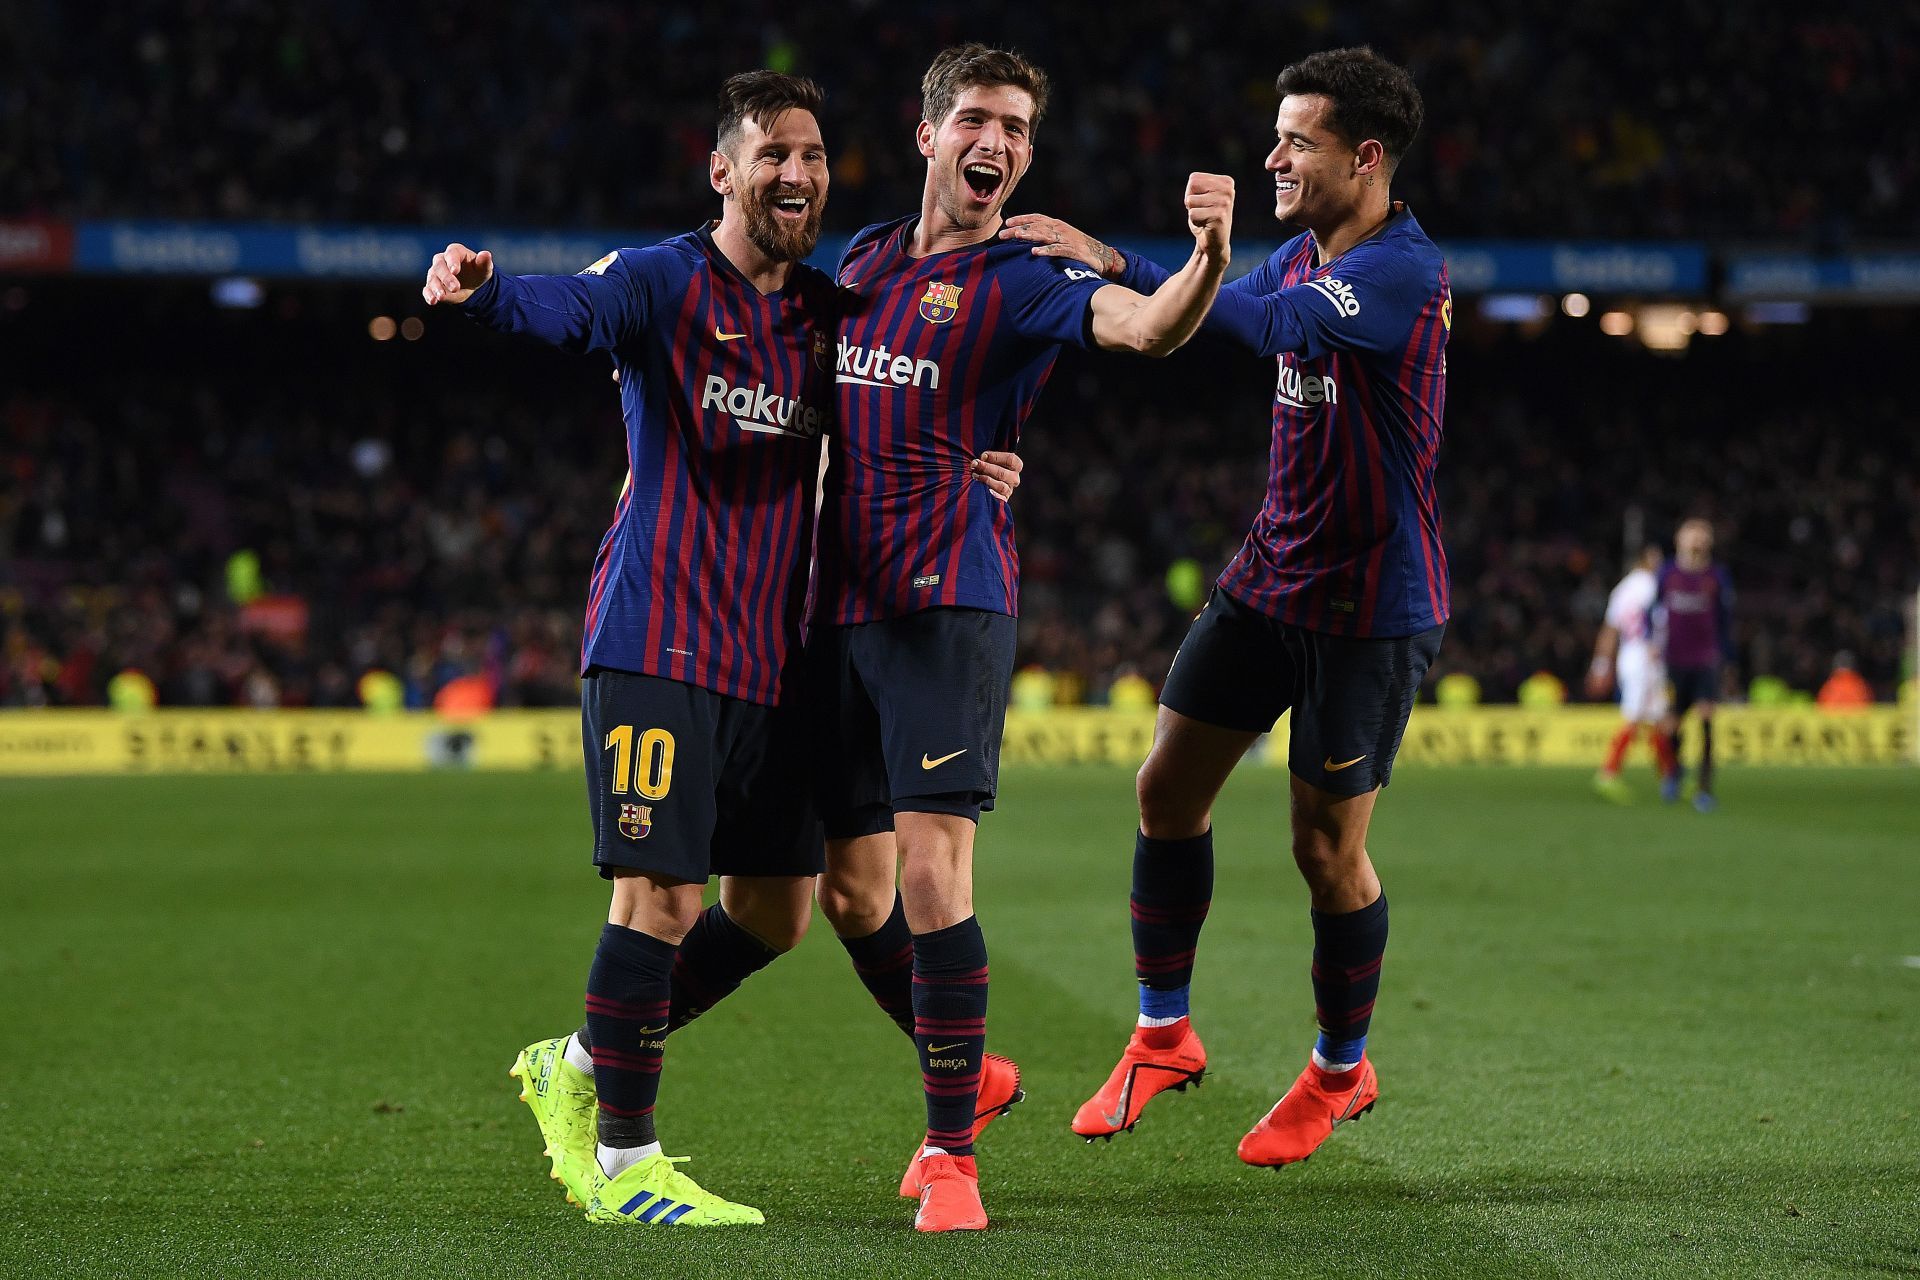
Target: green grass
[{"x": 262, "y": 1026}]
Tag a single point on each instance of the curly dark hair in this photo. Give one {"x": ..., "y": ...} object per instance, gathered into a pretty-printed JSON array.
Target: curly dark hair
[
  {"x": 760, "y": 96},
  {"x": 973, "y": 65},
  {"x": 1372, "y": 98}
]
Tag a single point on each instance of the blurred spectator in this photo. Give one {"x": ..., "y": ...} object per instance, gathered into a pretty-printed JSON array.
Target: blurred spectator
[
  {"x": 1457, "y": 689},
  {"x": 1542, "y": 691},
  {"x": 431, "y": 510},
  {"x": 1844, "y": 690}
]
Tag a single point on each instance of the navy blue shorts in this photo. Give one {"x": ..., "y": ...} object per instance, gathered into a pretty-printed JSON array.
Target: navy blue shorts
[
  {"x": 1240, "y": 669},
  {"x": 1693, "y": 684},
  {"x": 688, "y": 783},
  {"x": 907, "y": 716}
]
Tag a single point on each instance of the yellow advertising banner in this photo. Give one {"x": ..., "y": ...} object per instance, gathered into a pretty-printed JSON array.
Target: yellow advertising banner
[
  {"x": 230, "y": 741},
  {"x": 57, "y": 742},
  {"x": 1502, "y": 736}
]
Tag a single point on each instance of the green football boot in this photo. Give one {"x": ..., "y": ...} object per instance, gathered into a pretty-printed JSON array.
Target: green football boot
[
  {"x": 652, "y": 1192},
  {"x": 1611, "y": 786},
  {"x": 561, "y": 1097}
]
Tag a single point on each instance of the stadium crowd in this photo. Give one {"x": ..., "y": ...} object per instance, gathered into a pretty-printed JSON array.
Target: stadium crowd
[
  {"x": 1634, "y": 118},
  {"x": 245, "y": 528},
  {"x": 244, "y": 532}
]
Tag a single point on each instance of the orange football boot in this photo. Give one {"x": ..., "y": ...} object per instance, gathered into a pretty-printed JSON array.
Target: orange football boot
[
  {"x": 949, "y": 1195},
  {"x": 1309, "y": 1114},
  {"x": 1143, "y": 1074},
  {"x": 999, "y": 1090}
]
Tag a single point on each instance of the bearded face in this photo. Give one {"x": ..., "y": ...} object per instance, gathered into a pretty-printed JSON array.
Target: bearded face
[
  {"x": 783, "y": 219},
  {"x": 775, "y": 174}
]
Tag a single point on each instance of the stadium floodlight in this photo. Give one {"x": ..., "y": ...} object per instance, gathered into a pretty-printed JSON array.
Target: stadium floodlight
[
  {"x": 1575, "y": 305},
  {"x": 1665, "y": 327}
]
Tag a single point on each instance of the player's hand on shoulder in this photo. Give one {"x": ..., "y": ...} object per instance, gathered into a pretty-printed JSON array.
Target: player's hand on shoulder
[
  {"x": 455, "y": 273},
  {"x": 1210, "y": 212},
  {"x": 1052, "y": 238},
  {"x": 999, "y": 471}
]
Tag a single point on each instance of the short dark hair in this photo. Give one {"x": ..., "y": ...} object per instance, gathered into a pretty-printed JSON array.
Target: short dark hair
[
  {"x": 979, "y": 66},
  {"x": 1371, "y": 97},
  {"x": 760, "y": 96}
]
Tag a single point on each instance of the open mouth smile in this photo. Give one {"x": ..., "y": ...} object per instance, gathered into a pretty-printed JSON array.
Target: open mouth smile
[{"x": 983, "y": 180}]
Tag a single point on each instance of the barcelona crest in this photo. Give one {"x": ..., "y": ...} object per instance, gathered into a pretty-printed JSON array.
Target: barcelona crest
[
  {"x": 941, "y": 302},
  {"x": 636, "y": 820},
  {"x": 822, "y": 351}
]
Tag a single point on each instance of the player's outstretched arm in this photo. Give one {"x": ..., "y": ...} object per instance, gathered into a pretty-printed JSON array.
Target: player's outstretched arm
[
  {"x": 592, "y": 311},
  {"x": 1159, "y": 323}
]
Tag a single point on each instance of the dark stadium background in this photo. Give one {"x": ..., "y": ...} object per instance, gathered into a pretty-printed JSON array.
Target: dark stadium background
[{"x": 432, "y": 500}]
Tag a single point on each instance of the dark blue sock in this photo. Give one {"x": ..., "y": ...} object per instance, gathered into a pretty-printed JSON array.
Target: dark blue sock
[
  {"x": 884, "y": 961},
  {"x": 716, "y": 956},
  {"x": 1172, "y": 889},
  {"x": 627, "y": 1002},
  {"x": 950, "y": 1029},
  {"x": 1347, "y": 950}
]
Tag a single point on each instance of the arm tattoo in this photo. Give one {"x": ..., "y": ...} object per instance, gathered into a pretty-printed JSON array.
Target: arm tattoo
[{"x": 1112, "y": 264}]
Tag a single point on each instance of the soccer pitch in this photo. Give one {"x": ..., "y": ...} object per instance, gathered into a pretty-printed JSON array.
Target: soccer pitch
[{"x": 262, "y": 1026}]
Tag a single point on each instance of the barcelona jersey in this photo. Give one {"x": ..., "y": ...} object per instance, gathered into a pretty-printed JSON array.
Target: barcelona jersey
[
  {"x": 1347, "y": 540},
  {"x": 726, "y": 392},
  {"x": 938, "y": 360}
]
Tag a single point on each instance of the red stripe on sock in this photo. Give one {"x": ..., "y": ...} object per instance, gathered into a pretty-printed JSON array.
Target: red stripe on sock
[
  {"x": 1358, "y": 973},
  {"x": 1347, "y": 1017},
  {"x": 1169, "y": 915},
  {"x": 624, "y": 1009}
]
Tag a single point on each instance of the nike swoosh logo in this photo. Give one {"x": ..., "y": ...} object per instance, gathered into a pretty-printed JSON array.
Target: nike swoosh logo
[
  {"x": 1331, "y": 767},
  {"x": 1119, "y": 1114},
  {"x": 942, "y": 1048},
  {"x": 726, "y": 337},
  {"x": 651, "y": 1031},
  {"x": 928, "y": 763}
]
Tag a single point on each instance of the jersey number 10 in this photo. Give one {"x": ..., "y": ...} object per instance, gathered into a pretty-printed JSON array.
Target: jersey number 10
[{"x": 651, "y": 768}]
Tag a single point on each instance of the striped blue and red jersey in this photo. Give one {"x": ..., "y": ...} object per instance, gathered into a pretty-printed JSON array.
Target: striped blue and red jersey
[
  {"x": 726, "y": 391},
  {"x": 1697, "y": 605},
  {"x": 939, "y": 359},
  {"x": 1348, "y": 538}
]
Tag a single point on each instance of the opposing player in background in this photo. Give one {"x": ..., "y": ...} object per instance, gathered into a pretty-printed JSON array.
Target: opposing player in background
[
  {"x": 1695, "y": 598},
  {"x": 1333, "y": 608},
  {"x": 694, "y": 746},
  {"x": 947, "y": 339},
  {"x": 1627, "y": 652}
]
